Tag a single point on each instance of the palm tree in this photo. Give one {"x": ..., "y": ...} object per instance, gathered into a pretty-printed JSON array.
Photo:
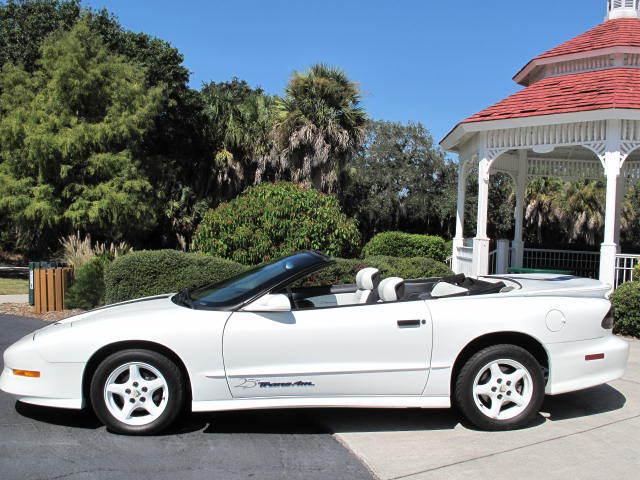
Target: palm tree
[
  {"x": 542, "y": 205},
  {"x": 239, "y": 123},
  {"x": 582, "y": 213},
  {"x": 320, "y": 126}
]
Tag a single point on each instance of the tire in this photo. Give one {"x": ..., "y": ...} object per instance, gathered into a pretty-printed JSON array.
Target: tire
[
  {"x": 137, "y": 392},
  {"x": 500, "y": 388}
]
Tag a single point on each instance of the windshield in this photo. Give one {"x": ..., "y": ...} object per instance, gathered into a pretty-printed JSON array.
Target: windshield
[{"x": 238, "y": 289}]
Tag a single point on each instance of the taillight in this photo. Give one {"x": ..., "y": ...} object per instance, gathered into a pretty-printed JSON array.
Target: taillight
[{"x": 608, "y": 320}]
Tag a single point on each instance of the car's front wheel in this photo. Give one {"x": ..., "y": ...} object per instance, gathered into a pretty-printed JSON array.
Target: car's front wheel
[
  {"x": 500, "y": 388},
  {"x": 137, "y": 392}
]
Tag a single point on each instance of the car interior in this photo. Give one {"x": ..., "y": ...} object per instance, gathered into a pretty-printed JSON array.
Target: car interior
[{"x": 370, "y": 288}]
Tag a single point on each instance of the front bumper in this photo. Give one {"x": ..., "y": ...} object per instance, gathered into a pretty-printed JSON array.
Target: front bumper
[
  {"x": 570, "y": 371},
  {"x": 59, "y": 384}
]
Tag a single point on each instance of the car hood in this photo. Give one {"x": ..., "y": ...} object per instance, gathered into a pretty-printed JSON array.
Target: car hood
[
  {"x": 155, "y": 319},
  {"x": 146, "y": 306}
]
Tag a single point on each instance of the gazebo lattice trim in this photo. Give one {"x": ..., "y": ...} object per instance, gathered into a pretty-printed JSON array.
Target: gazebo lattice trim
[{"x": 591, "y": 135}]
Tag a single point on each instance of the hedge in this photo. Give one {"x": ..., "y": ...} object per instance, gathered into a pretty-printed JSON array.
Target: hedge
[
  {"x": 87, "y": 290},
  {"x": 626, "y": 304},
  {"x": 406, "y": 245},
  {"x": 343, "y": 271},
  {"x": 145, "y": 273},
  {"x": 269, "y": 221}
]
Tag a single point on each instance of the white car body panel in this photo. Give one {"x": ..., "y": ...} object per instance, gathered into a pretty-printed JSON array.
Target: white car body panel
[
  {"x": 350, "y": 356},
  {"x": 340, "y": 351}
]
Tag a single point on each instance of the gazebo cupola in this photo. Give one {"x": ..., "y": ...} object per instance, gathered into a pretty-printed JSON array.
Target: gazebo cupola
[
  {"x": 577, "y": 117},
  {"x": 623, "y": 9}
]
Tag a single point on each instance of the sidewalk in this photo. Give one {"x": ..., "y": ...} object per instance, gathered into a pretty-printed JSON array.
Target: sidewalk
[
  {"x": 592, "y": 434},
  {"x": 14, "y": 298}
]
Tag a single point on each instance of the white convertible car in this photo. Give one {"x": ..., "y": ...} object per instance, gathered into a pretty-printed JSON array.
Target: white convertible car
[{"x": 493, "y": 347}]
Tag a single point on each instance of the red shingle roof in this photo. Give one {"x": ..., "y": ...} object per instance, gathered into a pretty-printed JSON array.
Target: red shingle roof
[
  {"x": 598, "y": 90},
  {"x": 623, "y": 32}
]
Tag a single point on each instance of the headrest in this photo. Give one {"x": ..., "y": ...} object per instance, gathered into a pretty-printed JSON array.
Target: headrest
[
  {"x": 391, "y": 289},
  {"x": 444, "y": 289},
  {"x": 368, "y": 279}
]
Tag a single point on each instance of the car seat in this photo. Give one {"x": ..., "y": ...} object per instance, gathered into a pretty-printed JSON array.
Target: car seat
[{"x": 367, "y": 281}]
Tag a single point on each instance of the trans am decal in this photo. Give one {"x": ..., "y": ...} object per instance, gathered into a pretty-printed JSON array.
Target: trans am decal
[{"x": 255, "y": 383}]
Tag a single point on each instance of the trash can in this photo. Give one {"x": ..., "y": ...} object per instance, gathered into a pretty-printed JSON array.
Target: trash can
[{"x": 50, "y": 283}]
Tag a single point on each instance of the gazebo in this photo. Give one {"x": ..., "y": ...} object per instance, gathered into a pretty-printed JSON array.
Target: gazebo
[{"x": 577, "y": 117}]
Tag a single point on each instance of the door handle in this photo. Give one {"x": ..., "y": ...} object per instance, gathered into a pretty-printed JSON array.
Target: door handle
[{"x": 409, "y": 323}]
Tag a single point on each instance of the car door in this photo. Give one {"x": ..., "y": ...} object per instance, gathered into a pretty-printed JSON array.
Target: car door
[{"x": 379, "y": 349}]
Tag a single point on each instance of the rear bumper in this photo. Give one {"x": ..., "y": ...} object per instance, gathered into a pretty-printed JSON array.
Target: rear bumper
[{"x": 570, "y": 371}]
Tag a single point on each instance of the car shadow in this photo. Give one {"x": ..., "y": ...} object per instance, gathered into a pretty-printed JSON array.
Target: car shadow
[
  {"x": 593, "y": 401},
  {"x": 319, "y": 421},
  {"x": 327, "y": 420},
  {"x": 59, "y": 416}
]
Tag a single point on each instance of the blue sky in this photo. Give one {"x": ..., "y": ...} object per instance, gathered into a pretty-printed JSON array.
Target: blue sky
[{"x": 432, "y": 61}]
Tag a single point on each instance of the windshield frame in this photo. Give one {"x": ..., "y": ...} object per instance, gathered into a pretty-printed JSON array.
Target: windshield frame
[{"x": 321, "y": 261}]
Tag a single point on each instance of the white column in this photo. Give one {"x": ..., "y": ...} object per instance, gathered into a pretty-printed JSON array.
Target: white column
[
  {"x": 458, "y": 240},
  {"x": 481, "y": 241},
  {"x": 621, "y": 191},
  {"x": 521, "y": 188},
  {"x": 502, "y": 256},
  {"x": 612, "y": 165}
]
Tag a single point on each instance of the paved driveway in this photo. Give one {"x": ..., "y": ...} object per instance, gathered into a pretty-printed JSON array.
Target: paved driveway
[
  {"x": 38, "y": 443},
  {"x": 592, "y": 434}
]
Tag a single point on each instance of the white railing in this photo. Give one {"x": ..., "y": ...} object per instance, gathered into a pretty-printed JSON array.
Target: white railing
[
  {"x": 464, "y": 260},
  {"x": 583, "y": 264},
  {"x": 625, "y": 264},
  {"x": 580, "y": 263}
]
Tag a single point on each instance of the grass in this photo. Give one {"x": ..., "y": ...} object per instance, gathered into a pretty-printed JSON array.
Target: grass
[{"x": 14, "y": 286}]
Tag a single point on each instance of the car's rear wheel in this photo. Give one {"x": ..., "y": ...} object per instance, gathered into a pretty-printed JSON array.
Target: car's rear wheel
[
  {"x": 500, "y": 388},
  {"x": 137, "y": 392}
]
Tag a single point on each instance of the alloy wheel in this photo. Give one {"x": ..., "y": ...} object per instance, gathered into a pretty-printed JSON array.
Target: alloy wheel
[
  {"x": 503, "y": 389},
  {"x": 136, "y": 393}
]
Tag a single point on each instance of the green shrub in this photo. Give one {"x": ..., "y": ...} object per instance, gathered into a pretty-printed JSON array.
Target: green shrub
[
  {"x": 400, "y": 244},
  {"x": 415, "y": 267},
  {"x": 448, "y": 247},
  {"x": 272, "y": 220},
  {"x": 626, "y": 304},
  {"x": 146, "y": 273},
  {"x": 345, "y": 270},
  {"x": 87, "y": 290}
]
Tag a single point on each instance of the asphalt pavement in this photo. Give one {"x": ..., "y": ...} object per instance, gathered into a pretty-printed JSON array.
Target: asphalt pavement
[
  {"x": 592, "y": 434},
  {"x": 41, "y": 443}
]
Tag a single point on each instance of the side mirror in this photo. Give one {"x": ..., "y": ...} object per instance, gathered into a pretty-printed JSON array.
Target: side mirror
[{"x": 270, "y": 303}]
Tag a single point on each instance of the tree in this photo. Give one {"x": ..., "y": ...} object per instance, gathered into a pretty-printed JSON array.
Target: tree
[
  {"x": 239, "y": 122},
  {"x": 271, "y": 220},
  {"x": 581, "y": 211},
  {"x": 320, "y": 126},
  {"x": 174, "y": 151},
  {"x": 24, "y": 24},
  {"x": 70, "y": 134},
  {"x": 401, "y": 181},
  {"x": 541, "y": 207},
  {"x": 630, "y": 224}
]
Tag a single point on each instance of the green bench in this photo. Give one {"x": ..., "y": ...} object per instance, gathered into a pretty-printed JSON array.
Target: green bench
[{"x": 540, "y": 270}]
